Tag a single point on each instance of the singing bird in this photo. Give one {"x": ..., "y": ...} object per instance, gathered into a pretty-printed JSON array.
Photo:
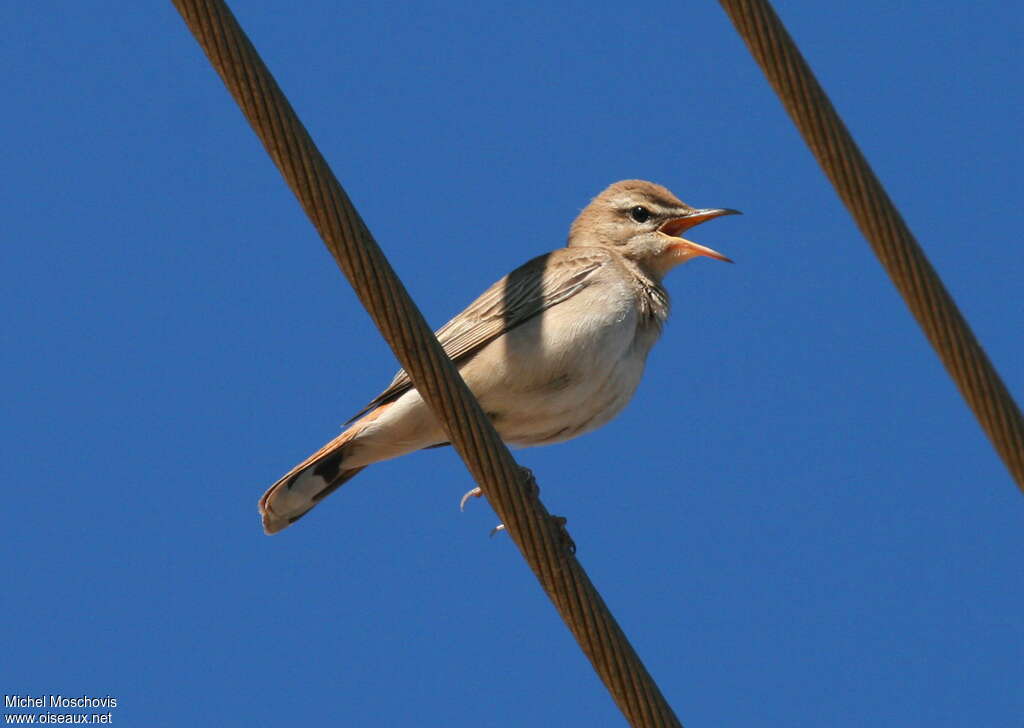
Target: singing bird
[{"x": 553, "y": 350}]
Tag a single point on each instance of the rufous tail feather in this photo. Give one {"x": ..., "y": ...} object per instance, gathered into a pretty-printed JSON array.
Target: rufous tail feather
[{"x": 305, "y": 485}]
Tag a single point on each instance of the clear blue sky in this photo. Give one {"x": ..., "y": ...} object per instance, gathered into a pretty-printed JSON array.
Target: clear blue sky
[{"x": 797, "y": 520}]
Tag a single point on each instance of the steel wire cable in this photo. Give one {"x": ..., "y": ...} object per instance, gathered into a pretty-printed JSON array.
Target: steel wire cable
[{"x": 883, "y": 226}]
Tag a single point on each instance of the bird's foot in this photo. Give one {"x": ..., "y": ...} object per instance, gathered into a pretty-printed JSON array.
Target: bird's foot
[
  {"x": 532, "y": 491},
  {"x": 563, "y": 533},
  {"x": 529, "y": 482}
]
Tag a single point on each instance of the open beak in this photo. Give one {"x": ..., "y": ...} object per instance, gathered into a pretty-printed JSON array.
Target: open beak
[{"x": 686, "y": 248}]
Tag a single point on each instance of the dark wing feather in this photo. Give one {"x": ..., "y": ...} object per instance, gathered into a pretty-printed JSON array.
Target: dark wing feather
[{"x": 527, "y": 291}]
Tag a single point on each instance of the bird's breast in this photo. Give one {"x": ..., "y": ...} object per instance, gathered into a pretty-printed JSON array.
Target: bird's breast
[{"x": 567, "y": 371}]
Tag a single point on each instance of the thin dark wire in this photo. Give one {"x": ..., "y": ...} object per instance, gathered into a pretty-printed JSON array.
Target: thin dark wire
[
  {"x": 884, "y": 227},
  {"x": 385, "y": 298}
]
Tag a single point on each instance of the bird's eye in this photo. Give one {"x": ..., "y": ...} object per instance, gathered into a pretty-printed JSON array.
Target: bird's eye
[{"x": 640, "y": 213}]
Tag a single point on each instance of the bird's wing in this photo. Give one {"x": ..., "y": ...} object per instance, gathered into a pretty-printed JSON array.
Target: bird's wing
[{"x": 527, "y": 291}]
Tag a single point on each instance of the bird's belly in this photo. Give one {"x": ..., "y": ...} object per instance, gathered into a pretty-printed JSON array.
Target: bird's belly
[
  {"x": 556, "y": 415},
  {"x": 553, "y": 379}
]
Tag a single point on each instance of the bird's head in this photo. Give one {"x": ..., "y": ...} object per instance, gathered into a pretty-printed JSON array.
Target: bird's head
[{"x": 643, "y": 221}]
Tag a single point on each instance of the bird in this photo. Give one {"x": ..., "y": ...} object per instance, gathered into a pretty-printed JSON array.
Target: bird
[{"x": 553, "y": 350}]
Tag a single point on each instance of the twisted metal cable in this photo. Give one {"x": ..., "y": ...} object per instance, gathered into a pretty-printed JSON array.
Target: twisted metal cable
[
  {"x": 541, "y": 541},
  {"x": 883, "y": 226}
]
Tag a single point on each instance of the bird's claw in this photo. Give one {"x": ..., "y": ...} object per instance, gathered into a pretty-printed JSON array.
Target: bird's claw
[
  {"x": 475, "y": 493},
  {"x": 499, "y": 527}
]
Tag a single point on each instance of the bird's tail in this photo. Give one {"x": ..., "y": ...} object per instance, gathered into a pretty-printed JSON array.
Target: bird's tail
[{"x": 305, "y": 485}]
